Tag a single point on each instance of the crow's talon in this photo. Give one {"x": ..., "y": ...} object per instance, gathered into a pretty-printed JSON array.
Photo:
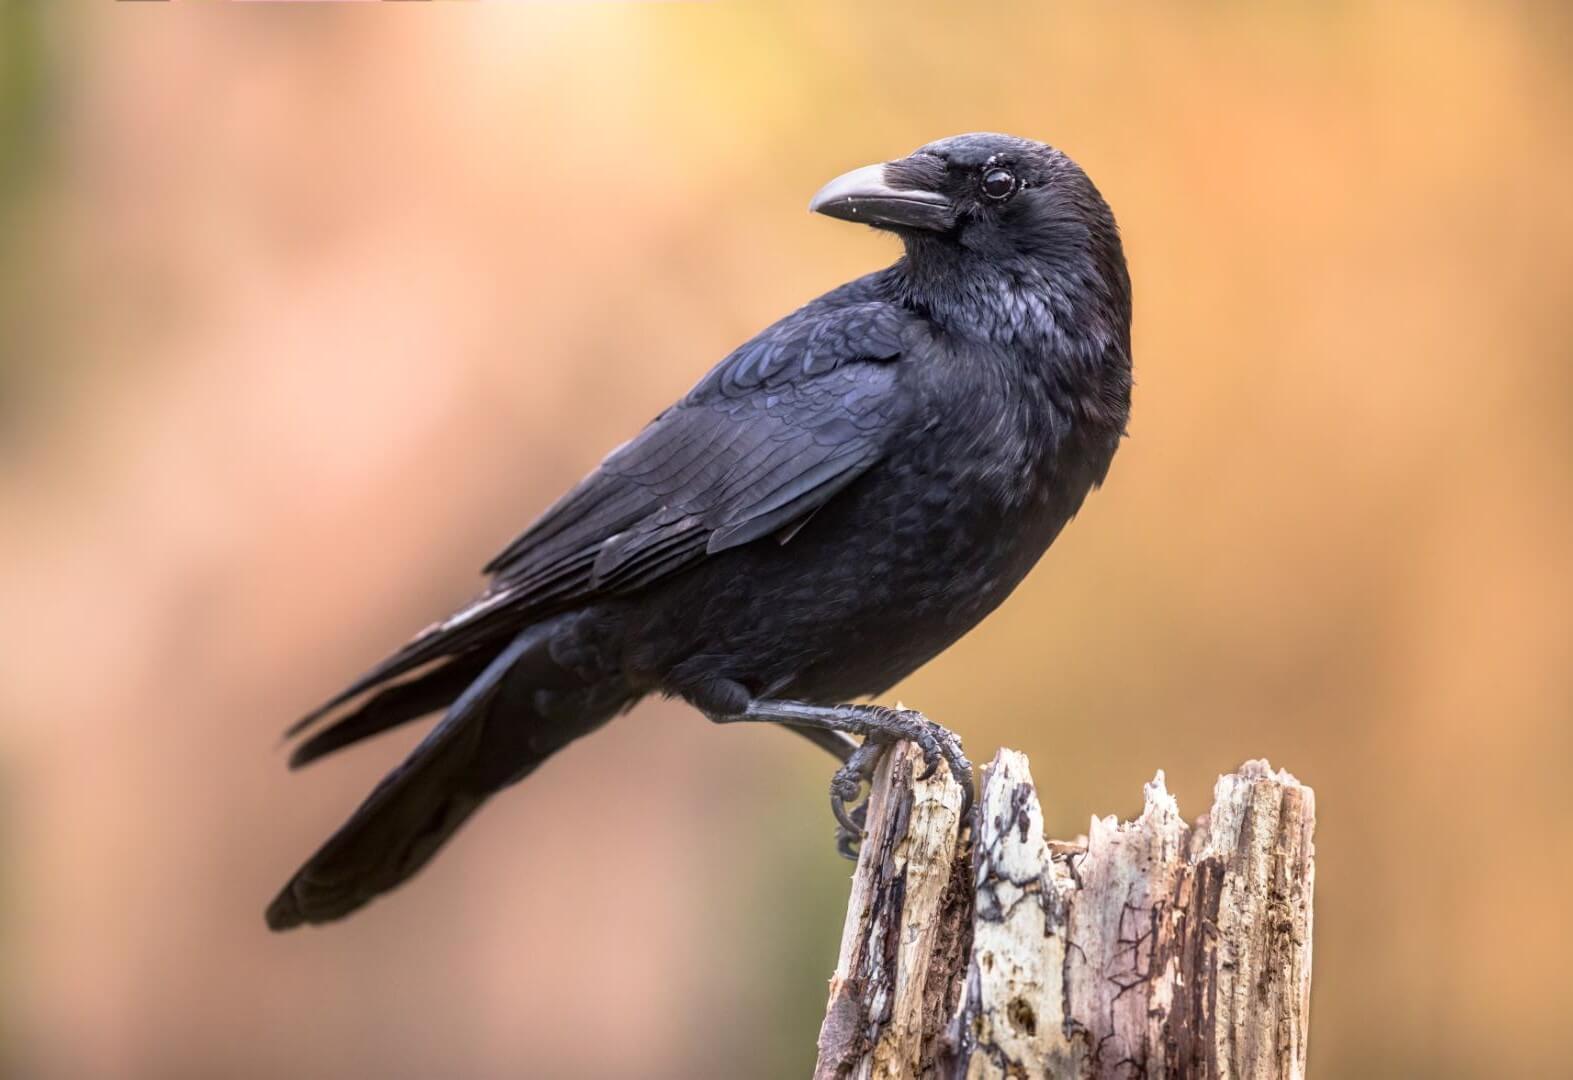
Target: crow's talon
[
  {"x": 849, "y": 840},
  {"x": 937, "y": 742},
  {"x": 845, "y": 786},
  {"x": 843, "y": 816}
]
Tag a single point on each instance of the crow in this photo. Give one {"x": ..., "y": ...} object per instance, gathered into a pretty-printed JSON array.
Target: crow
[{"x": 831, "y": 506}]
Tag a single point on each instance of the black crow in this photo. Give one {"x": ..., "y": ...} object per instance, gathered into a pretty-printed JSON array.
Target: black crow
[{"x": 833, "y": 504}]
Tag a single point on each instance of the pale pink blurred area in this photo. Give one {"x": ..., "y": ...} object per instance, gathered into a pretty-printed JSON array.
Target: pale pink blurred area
[{"x": 312, "y": 309}]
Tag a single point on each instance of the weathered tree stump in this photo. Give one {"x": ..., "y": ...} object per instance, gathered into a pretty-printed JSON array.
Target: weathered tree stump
[{"x": 1144, "y": 949}]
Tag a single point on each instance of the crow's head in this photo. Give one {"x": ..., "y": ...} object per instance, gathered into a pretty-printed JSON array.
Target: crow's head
[
  {"x": 993, "y": 194},
  {"x": 1006, "y": 221}
]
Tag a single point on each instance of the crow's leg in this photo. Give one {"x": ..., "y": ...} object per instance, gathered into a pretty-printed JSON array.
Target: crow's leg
[{"x": 879, "y": 727}]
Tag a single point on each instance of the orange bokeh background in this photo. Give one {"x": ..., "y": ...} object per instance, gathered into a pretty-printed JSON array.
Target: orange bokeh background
[{"x": 307, "y": 311}]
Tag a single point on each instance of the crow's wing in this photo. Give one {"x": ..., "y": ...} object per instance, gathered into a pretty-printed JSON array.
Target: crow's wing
[
  {"x": 768, "y": 435},
  {"x": 766, "y": 438}
]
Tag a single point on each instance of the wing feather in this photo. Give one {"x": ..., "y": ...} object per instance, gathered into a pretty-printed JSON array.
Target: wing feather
[{"x": 763, "y": 441}]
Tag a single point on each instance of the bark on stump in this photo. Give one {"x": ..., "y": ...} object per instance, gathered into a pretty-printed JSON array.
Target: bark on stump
[{"x": 1144, "y": 949}]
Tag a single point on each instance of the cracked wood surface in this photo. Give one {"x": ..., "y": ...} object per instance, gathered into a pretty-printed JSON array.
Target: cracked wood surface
[
  {"x": 902, "y": 949},
  {"x": 1144, "y": 949}
]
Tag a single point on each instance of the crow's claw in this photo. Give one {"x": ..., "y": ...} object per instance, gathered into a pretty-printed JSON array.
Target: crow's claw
[
  {"x": 935, "y": 742},
  {"x": 843, "y": 815},
  {"x": 849, "y": 840},
  {"x": 844, "y": 788}
]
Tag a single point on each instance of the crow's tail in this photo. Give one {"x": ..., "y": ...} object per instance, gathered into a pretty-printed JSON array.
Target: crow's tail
[{"x": 510, "y": 711}]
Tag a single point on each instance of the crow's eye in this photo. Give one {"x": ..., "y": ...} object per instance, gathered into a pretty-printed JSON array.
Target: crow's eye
[{"x": 999, "y": 183}]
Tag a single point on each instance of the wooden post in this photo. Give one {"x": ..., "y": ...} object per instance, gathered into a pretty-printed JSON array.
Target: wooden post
[{"x": 1149, "y": 948}]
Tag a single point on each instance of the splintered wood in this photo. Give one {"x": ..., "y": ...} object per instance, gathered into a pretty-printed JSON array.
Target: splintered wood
[
  {"x": 902, "y": 953},
  {"x": 1149, "y": 948}
]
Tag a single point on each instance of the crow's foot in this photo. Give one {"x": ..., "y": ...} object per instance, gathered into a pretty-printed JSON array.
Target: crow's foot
[{"x": 880, "y": 726}]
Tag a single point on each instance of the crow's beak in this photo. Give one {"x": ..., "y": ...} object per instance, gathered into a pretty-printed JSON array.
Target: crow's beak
[{"x": 876, "y": 195}]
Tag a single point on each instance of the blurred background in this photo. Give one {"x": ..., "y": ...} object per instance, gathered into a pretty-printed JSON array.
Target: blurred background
[{"x": 304, "y": 313}]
